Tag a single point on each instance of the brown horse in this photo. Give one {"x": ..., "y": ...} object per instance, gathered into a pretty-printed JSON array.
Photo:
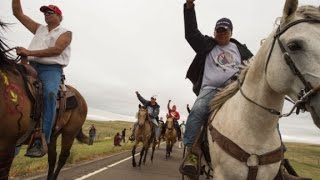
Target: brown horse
[
  {"x": 170, "y": 136},
  {"x": 15, "y": 113},
  {"x": 143, "y": 133}
]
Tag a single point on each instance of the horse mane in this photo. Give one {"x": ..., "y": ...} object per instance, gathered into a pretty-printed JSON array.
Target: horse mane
[
  {"x": 230, "y": 90},
  {"x": 6, "y": 60},
  {"x": 308, "y": 11}
]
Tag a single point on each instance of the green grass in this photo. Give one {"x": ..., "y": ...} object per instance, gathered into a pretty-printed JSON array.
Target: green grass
[{"x": 305, "y": 158}]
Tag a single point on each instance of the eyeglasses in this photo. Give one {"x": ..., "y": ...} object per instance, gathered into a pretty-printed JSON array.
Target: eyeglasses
[
  {"x": 222, "y": 30},
  {"x": 49, "y": 12}
]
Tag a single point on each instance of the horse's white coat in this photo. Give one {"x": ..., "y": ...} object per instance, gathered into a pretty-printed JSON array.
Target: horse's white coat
[{"x": 248, "y": 125}]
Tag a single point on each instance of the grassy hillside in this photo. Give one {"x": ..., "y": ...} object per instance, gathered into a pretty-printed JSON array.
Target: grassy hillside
[
  {"x": 305, "y": 158},
  {"x": 107, "y": 129}
]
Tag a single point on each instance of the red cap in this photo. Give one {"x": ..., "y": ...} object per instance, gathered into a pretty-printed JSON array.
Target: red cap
[{"x": 51, "y": 7}]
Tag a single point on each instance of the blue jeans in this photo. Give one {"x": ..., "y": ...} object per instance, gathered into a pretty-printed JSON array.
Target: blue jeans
[
  {"x": 198, "y": 115},
  {"x": 50, "y": 77}
]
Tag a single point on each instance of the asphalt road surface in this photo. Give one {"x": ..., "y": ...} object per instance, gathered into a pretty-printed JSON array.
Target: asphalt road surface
[{"x": 119, "y": 167}]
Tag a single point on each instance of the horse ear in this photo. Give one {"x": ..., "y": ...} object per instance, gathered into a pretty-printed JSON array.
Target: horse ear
[{"x": 289, "y": 8}]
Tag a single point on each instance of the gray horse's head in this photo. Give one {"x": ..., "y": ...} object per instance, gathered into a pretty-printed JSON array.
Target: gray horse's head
[{"x": 294, "y": 65}]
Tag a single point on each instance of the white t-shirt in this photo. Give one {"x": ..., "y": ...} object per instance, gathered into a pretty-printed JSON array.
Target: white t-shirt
[
  {"x": 221, "y": 64},
  {"x": 44, "y": 39}
]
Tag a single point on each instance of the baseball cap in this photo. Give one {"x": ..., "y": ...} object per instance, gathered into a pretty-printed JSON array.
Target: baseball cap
[
  {"x": 154, "y": 97},
  {"x": 52, "y": 8},
  {"x": 224, "y": 23}
]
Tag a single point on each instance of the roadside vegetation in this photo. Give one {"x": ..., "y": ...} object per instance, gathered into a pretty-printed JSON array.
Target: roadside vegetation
[{"x": 305, "y": 158}]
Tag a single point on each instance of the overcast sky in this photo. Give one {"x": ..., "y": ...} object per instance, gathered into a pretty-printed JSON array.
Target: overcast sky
[{"x": 124, "y": 46}]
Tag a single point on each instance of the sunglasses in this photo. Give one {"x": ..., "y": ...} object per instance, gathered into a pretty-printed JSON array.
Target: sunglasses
[
  {"x": 49, "y": 12},
  {"x": 222, "y": 30}
]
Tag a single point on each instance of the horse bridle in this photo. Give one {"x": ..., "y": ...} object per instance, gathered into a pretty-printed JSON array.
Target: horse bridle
[
  {"x": 308, "y": 90},
  {"x": 146, "y": 118}
]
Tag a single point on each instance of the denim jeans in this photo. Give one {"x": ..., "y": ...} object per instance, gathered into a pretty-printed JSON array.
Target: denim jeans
[
  {"x": 50, "y": 77},
  {"x": 198, "y": 115}
]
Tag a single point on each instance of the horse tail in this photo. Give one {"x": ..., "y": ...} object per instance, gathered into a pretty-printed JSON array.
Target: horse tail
[{"x": 82, "y": 138}]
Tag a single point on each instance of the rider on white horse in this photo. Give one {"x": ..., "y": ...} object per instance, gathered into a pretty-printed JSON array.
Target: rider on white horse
[{"x": 215, "y": 65}]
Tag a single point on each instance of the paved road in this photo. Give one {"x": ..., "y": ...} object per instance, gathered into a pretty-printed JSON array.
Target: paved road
[{"x": 118, "y": 167}]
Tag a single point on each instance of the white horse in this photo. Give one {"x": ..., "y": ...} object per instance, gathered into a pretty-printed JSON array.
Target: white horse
[
  {"x": 183, "y": 129},
  {"x": 287, "y": 64}
]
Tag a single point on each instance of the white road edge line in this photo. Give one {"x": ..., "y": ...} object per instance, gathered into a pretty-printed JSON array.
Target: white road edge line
[
  {"x": 91, "y": 174},
  {"x": 105, "y": 168}
]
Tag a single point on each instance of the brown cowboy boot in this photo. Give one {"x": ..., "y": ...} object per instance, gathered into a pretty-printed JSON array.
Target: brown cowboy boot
[{"x": 37, "y": 146}]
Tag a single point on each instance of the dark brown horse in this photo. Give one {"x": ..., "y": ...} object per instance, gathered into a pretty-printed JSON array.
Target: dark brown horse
[
  {"x": 145, "y": 134},
  {"x": 15, "y": 112}
]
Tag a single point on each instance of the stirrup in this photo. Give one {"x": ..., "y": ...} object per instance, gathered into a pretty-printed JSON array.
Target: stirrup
[
  {"x": 188, "y": 170},
  {"x": 37, "y": 147},
  {"x": 37, "y": 150}
]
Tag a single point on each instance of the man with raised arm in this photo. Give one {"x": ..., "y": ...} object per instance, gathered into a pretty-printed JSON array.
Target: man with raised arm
[
  {"x": 172, "y": 112},
  {"x": 215, "y": 65},
  {"x": 153, "y": 112},
  {"x": 48, "y": 53}
]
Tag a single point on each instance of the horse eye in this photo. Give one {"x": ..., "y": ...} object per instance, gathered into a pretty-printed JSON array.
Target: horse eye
[{"x": 294, "y": 46}]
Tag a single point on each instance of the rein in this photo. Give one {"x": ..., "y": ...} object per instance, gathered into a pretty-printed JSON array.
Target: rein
[
  {"x": 305, "y": 93},
  {"x": 272, "y": 111},
  {"x": 17, "y": 59}
]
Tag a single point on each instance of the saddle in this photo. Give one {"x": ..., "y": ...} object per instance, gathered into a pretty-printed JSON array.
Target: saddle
[{"x": 66, "y": 100}]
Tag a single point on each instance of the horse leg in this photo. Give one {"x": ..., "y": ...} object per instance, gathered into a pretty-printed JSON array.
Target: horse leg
[
  {"x": 133, "y": 152},
  {"x": 145, "y": 154},
  {"x": 5, "y": 163},
  {"x": 66, "y": 144},
  {"x": 52, "y": 157},
  {"x": 141, "y": 155},
  {"x": 159, "y": 143},
  {"x": 167, "y": 148},
  {"x": 153, "y": 148}
]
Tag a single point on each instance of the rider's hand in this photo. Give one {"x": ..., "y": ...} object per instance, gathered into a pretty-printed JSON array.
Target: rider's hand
[{"x": 22, "y": 51}]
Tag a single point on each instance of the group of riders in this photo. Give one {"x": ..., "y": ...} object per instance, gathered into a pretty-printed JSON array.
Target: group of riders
[
  {"x": 159, "y": 125},
  {"x": 216, "y": 64}
]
